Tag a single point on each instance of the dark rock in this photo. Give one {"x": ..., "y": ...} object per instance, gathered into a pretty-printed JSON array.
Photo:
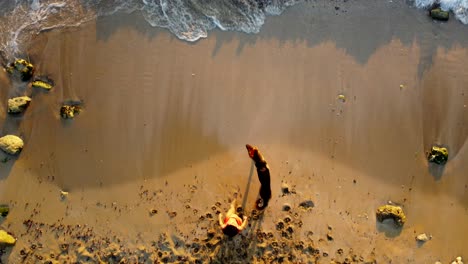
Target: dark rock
[
  {"x": 438, "y": 155},
  {"x": 439, "y": 14},
  {"x": 4, "y": 210},
  {"x": 306, "y": 204},
  {"x": 285, "y": 189}
]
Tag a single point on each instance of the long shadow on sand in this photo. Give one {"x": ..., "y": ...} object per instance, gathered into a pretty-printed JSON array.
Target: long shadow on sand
[
  {"x": 147, "y": 133},
  {"x": 360, "y": 29}
]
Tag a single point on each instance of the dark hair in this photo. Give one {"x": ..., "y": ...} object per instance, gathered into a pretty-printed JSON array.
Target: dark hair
[{"x": 230, "y": 230}]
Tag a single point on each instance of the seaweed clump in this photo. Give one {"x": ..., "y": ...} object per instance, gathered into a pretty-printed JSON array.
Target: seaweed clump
[
  {"x": 22, "y": 67},
  {"x": 438, "y": 155},
  {"x": 391, "y": 212}
]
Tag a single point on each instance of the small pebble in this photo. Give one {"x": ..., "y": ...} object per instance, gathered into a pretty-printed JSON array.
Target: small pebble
[{"x": 422, "y": 238}]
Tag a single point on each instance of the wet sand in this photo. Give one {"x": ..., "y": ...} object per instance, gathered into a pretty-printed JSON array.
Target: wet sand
[{"x": 165, "y": 123}]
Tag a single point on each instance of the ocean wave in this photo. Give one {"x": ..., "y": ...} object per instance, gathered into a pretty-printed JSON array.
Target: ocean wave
[{"x": 189, "y": 20}]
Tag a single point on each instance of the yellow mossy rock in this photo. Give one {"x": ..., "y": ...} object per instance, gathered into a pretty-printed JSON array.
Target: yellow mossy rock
[
  {"x": 42, "y": 84},
  {"x": 391, "y": 212},
  {"x": 11, "y": 144},
  {"x": 6, "y": 239},
  {"x": 69, "y": 111},
  {"x": 23, "y": 67},
  {"x": 438, "y": 155},
  {"x": 18, "y": 104}
]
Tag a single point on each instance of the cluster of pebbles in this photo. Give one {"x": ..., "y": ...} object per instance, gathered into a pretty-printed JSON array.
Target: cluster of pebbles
[{"x": 23, "y": 76}]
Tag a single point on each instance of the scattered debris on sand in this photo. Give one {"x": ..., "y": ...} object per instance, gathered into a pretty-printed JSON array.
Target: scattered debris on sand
[
  {"x": 172, "y": 214},
  {"x": 63, "y": 195},
  {"x": 68, "y": 111},
  {"x": 438, "y": 14},
  {"x": 11, "y": 144},
  {"x": 342, "y": 98},
  {"x": 422, "y": 238},
  {"x": 17, "y": 105},
  {"x": 286, "y": 207},
  {"x": 6, "y": 239},
  {"x": 391, "y": 212},
  {"x": 153, "y": 212},
  {"x": 4, "y": 210},
  {"x": 22, "y": 68},
  {"x": 438, "y": 155},
  {"x": 43, "y": 82},
  {"x": 285, "y": 188}
]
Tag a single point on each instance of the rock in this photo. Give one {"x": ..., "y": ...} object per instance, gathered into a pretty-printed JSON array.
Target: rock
[
  {"x": 43, "y": 82},
  {"x": 18, "y": 104},
  {"x": 285, "y": 188},
  {"x": 391, "y": 212},
  {"x": 6, "y": 239},
  {"x": 422, "y": 238},
  {"x": 286, "y": 207},
  {"x": 342, "y": 98},
  {"x": 11, "y": 144},
  {"x": 69, "y": 111},
  {"x": 153, "y": 211},
  {"x": 63, "y": 195},
  {"x": 308, "y": 204},
  {"x": 172, "y": 214},
  {"x": 438, "y": 155},
  {"x": 4, "y": 210},
  {"x": 439, "y": 14},
  {"x": 22, "y": 68}
]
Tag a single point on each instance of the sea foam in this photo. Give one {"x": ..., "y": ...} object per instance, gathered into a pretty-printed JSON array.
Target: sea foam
[{"x": 189, "y": 20}]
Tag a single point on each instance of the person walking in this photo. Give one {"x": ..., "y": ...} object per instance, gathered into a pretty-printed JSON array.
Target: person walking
[{"x": 263, "y": 172}]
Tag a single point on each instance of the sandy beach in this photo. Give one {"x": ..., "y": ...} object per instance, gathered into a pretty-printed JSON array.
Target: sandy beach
[{"x": 343, "y": 102}]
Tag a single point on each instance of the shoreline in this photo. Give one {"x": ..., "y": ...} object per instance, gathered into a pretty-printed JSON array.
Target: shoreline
[{"x": 165, "y": 123}]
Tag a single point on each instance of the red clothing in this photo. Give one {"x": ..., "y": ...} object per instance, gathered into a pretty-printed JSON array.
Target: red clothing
[{"x": 239, "y": 222}]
